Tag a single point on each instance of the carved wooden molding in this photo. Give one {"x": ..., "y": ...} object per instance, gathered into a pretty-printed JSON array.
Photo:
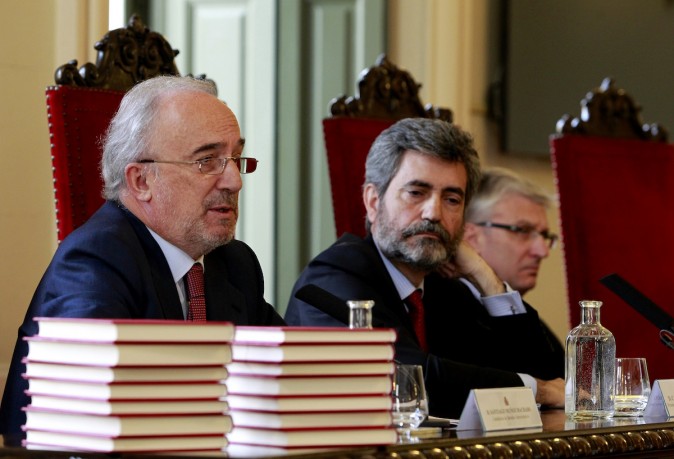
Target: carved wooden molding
[
  {"x": 125, "y": 57},
  {"x": 386, "y": 92},
  {"x": 585, "y": 444},
  {"x": 610, "y": 112}
]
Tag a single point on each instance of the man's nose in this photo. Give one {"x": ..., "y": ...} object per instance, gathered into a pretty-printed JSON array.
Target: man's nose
[
  {"x": 230, "y": 179},
  {"x": 432, "y": 209},
  {"x": 540, "y": 246}
]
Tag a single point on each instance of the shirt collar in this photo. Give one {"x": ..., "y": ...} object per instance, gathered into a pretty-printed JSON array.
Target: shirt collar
[
  {"x": 402, "y": 284},
  {"x": 179, "y": 262}
]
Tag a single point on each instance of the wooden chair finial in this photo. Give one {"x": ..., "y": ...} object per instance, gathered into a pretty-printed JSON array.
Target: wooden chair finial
[
  {"x": 608, "y": 111},
  {"x": 125, "y": 57},
  {"x": 386, "y": 92}
]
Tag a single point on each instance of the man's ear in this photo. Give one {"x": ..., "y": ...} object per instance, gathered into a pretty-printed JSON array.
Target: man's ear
[
  {"x": 371, "y": 201},
  {"x": 136, "y": 181},
  {"x": 472, "y": 234}
]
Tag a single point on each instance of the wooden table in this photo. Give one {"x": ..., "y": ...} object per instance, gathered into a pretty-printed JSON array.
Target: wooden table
[{"x": 559, "y": 438}]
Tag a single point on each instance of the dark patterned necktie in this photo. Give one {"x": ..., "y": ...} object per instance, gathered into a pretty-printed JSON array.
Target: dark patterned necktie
[
  {"x": 416, "y": 307},
  {"x": 196, "y": 296}
]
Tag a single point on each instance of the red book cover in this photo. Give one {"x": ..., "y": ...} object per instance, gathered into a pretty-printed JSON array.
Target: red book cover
[
  {"x": 346, "y": 419},
  {"x": 130, "y": 354},
  {"x": 38, "y": 439},
  {"x": 120, "y": 407},
  {"x": 312, "y": 438},
  {"x": 106, "y": 374},
  {"x": 310, "y": 385},
  {"x": 126, "y": 390},
  {"x": 134, "y": 330},
  {"x": 310, "y": 403},
  {"x": 310, "y": 368},
  {"x": 314, "y": 335},
  {"x": 126, "y": 425},
  {"x": 312, "y": 352}
]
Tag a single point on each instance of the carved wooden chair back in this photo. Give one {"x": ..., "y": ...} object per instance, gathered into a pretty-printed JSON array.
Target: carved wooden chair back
[
  {"x": 385, "y": 95},
  {"x": 80, "y": 107},
  {"x": 613, "y": 177}
]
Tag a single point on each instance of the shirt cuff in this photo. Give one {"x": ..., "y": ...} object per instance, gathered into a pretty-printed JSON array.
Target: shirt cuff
[
  {"x": 529, "y": 381},
  {"x": 504, "y": 304}
]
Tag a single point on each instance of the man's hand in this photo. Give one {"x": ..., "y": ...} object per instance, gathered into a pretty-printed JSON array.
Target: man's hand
[
  {"x": 550, "y": 393},
  {"x": 469, "y": 264}
]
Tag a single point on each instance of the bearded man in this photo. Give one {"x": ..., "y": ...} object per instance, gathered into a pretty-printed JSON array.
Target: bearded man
[{"x": 420, "y": 175}]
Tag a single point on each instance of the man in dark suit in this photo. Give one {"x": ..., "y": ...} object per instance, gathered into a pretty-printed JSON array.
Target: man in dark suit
[
  {"x": 420, "y": 174},
  {"x": 507, "y": 225},
  {"x": 172, "y": 165}
]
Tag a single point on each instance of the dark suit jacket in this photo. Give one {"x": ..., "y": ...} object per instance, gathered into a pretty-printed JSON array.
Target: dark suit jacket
[
  {"x": 112, "y": 267},
  {"x": 467, "y": 347}
]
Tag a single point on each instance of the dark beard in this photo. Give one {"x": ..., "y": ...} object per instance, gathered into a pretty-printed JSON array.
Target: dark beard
[{"x": 424, "y": 254}]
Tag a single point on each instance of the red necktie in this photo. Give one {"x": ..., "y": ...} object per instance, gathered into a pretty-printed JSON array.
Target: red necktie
[
  {"x": 416, "y": 307},
  {"x": 195, "y": 293}
]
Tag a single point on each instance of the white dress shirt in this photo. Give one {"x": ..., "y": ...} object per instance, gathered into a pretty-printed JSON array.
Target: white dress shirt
[{"x": 179, "y": 262}]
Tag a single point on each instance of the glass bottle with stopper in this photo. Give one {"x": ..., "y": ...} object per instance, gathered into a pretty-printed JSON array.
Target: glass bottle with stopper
[{"x": 590, "y": 366}]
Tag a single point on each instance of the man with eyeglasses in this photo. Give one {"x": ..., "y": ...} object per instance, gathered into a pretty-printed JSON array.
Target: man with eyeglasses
[
  {"x": 162, "y": 246},
  {"x": 507, "y": 225},
  {"x": 419, "y": 176}
]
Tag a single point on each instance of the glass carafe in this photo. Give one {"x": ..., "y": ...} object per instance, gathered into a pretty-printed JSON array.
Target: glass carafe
[{"x": 590, "y": 366}]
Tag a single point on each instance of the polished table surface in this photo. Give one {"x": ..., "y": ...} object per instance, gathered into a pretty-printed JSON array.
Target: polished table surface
[{"x": 559, "y": 438}]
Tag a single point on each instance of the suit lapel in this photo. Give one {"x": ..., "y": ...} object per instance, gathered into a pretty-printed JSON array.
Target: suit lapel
[
  {"x": 224, "y": 302},
  {"x": 373, "y": 267},
  {"x": 393, "y": 301},
  {"x": 158, "y": 270}
]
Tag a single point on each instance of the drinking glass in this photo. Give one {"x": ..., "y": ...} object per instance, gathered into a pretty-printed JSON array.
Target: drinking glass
[
  {"x": 632, "y": 386},
  {"x": 410, "y": 403},
  {"x": 360, "y": 313}
]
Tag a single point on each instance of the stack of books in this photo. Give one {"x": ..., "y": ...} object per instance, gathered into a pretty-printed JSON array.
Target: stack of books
[
  {"x": 128, "y": 385},
  {"x": 300, "y": 389}
]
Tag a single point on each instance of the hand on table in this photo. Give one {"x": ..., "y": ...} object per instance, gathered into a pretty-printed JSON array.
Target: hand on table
[{"x": 550, "y": 393}]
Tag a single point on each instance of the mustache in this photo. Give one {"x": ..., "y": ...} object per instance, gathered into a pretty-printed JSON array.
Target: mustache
[
  {"x": 223, "y": 199},
  {"x": 427, "y": 227}
]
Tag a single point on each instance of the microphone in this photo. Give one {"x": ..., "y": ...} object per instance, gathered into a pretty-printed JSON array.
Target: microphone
[
  {"x": 643, "y": 305},
  {"x": 324, "y": 301}
]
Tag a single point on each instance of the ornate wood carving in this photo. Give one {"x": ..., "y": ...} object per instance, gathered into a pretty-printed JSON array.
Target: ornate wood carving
[
  {"x": 637, "y": 442},
  {"x": 386, "y": 92},
  {"x": 610, "y": 112},
  {"x": 125, "y": 57}
]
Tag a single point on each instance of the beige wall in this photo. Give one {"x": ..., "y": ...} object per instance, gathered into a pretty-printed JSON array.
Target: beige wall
[
  {"x": 35, "y": 38},
  {"x": 446, "y": 45}
]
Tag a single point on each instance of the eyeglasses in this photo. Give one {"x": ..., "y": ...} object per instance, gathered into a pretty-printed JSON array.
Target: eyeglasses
[
  {"x": 525, "y": 233},
  {"x": 214, "y": 166}
]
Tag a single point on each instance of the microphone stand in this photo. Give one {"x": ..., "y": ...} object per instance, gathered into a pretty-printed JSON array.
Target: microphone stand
[{"x": 643, "y": 305}]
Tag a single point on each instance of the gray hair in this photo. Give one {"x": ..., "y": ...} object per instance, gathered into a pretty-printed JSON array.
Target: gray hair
[
  {"x": 498, "y": 182},
  {"x": 431, "y": 137},
  {"x": 130, "y": 132}
]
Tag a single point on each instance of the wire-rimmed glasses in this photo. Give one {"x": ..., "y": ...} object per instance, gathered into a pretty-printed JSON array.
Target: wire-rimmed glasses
[
  {"x": 214, "y": 166},
  {"x": 524, "y": 232}
]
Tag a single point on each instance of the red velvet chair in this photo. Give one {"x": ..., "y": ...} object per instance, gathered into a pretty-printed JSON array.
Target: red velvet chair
[
  {"x": 616, "y": 200},
  {"x": 80, "y": 108},
  {"x": 385, "y": 94}
]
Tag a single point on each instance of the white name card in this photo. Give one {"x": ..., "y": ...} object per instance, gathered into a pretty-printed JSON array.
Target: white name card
[
  {"x": 661, "y": 400},
  {"x": 500, "y": 409}
]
